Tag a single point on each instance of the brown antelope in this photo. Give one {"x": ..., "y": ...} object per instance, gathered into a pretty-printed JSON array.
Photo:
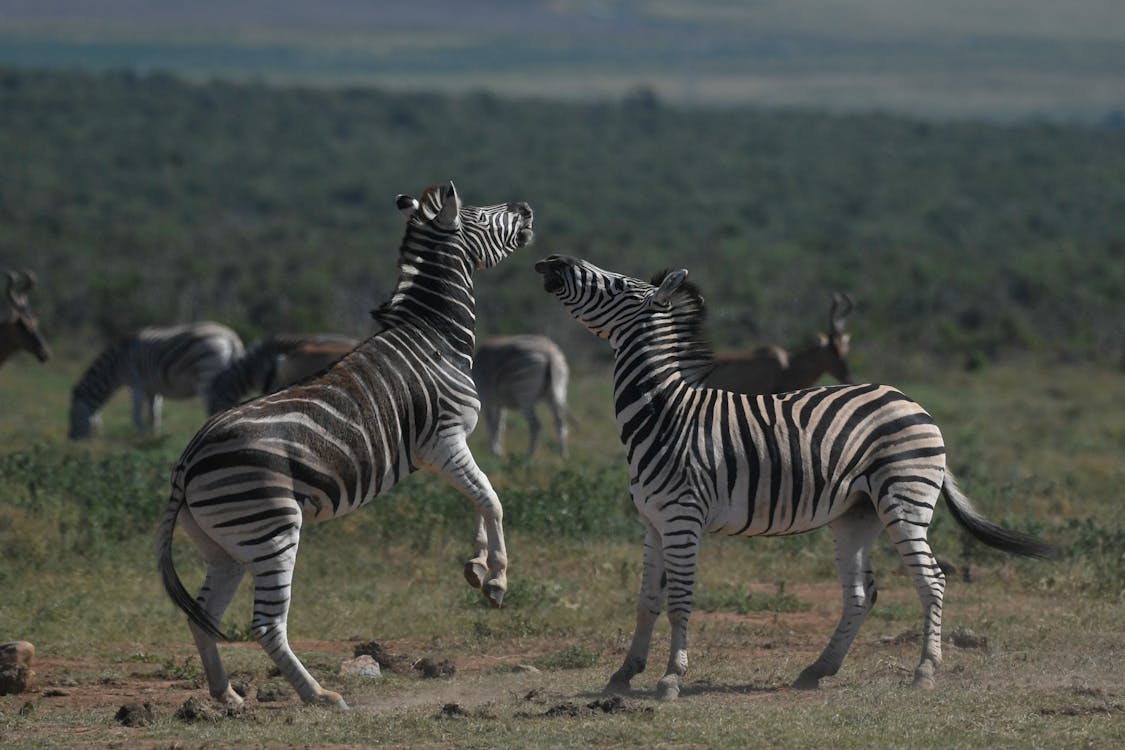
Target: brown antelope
[
  {"x": 772, "y": 369},
  {"x": 21, "y": 329}
]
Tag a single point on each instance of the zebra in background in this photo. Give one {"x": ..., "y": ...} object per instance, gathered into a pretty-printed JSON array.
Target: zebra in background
[
  {"x": 772, "y": 369},
  {"x": 402, "y": 400},
  {"x": 273, "y": 363},
  {"x": 855, "y": 458},
  {"x": 21, "y": 329},
  {"x": 514, "y": 372},
  {"x": 155, "y": 363}
]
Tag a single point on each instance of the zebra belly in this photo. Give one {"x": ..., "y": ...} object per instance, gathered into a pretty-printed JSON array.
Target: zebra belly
[{"x": 756, "y": 515}]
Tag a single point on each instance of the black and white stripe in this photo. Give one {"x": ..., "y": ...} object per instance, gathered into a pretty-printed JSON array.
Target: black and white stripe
[
  {"x": 275, "y": 362},
  {"x": 515, "y": 372},
  {"x": 155, "y": 363},
  {"x": 402, "y": 400},
  {"x": 855, "y": 458}
]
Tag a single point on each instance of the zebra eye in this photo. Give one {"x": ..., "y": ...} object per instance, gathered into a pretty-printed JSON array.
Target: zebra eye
[{"x": 617, "y": 286}]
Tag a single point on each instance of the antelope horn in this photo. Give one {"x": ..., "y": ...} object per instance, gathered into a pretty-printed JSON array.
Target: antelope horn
[{"x": 837, "y": 316}]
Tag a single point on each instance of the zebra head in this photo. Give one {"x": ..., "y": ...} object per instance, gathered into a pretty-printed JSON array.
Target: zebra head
[
  {"x": 610, "y": 304},
  {"x": 487, "y": 234},
  {"x": 84, "y": 419}
]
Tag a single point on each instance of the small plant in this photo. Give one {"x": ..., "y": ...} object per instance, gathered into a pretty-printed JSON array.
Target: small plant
[
  {"x": 571, "y": 657},
  {"x": 743, "y": 601}
]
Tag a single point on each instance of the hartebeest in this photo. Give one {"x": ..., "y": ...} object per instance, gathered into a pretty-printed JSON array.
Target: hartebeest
[
  {"x": 21, "y": 329},
  {"x": 772, "y": 369}
]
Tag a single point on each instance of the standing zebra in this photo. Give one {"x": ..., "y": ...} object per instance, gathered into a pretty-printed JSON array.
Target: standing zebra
[
  {"x": 178, "y": 362},
  {"x": 855, "y": 458},
  {"x": 514, "y": 372},
  {"x": 403, "y": 400},
  {"x": 273, "y": 363}
]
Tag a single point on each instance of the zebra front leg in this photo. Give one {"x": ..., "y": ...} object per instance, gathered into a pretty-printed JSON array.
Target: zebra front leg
[
  {"x": 855, "y": 533},
  {"x": 456, "y": 464},
  {"x": 681, "y": 556},
  {"x": 650, "y": 602},
  {"x": 273, "y": 578},
  {"x": 494, "y": 417}
]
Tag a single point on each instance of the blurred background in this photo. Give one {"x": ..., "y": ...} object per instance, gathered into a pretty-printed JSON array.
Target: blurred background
[{"x": 956, "y": 167}]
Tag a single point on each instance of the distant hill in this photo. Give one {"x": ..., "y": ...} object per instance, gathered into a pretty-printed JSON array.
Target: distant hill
[
  {"x": 145, "y": 199},
  {"x": 958, "y": 58}
]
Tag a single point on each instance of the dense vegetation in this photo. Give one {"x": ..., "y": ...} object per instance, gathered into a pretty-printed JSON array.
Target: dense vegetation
[{"x": 146, "y": 199}]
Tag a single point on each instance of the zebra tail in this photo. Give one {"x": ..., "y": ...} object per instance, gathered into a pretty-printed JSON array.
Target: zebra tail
[
  {"x": 172, "y": 583},
  {"x": 990, "y": 533}
]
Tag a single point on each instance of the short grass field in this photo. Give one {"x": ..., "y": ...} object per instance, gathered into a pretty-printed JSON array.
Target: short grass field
[{"x": 1034, "y": 651}]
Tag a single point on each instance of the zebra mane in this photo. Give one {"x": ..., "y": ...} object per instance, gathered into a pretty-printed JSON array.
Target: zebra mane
[{"x": 697, "y": 358}]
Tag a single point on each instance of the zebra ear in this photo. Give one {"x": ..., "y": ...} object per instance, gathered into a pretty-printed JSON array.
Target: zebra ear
[
  {"x": 450, "y": 214},
  {"x": 672, "y": 281},
  {"x": 406, "y": 205}
]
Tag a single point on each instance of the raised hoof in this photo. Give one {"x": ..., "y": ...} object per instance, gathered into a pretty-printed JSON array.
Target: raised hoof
[
  {"x": 475, "y": 574},
  {"x": 229, "y": 698},
  {"x": 493, "y": 593},
  {"x": 668, "y": 689}
]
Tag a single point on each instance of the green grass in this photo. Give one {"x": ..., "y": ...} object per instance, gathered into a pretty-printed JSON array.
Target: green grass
[{"x": 1037, "y": 447}]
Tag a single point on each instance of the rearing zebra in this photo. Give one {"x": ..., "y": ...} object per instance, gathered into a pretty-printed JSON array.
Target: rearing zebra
[
  {"x": 855, "y": 458},
  {"x": 273, "y": 363},
  {"x": 403, "y": 400},
  {"x": 177, "y": 362},
  {"x": 515, "y": 372}
]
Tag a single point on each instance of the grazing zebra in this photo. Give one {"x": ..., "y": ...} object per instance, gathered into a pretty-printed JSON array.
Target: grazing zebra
[
  {"x": 771, "y": 369},
  {"x": 514, "y": 372},
  {"x": 21, "y": 329},
  {"x": 271, "y": 364},
  {"x": 855, "y": 458},
  {"x": 402, "y": 400},
  {"x": 177, "y": 362}
]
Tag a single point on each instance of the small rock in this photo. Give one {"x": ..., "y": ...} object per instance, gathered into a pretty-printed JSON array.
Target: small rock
[
  {"x": 361, "y": 666},
  {"x": 453, "y": 711},
  {"x": 135, "y": 715},
  {"x": 197, "y": 709},
  {"x": 525, "y": 668}
]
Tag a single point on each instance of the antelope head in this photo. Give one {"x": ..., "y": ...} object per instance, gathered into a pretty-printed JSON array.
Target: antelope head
[
  {"x": 22, "y": 327},
  {"x": 836, "y": 343}
]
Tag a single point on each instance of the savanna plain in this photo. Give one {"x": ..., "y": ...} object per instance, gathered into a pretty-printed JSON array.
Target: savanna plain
[{"x": 1034, "y": 651}]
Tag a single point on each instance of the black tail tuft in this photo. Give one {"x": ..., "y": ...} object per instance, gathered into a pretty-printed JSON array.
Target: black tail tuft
[
  {"x": 172, "y": 583},
  {"x": 990, "y": 533}
]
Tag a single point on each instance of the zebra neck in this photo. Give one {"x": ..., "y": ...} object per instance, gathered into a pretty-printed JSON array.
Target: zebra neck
[
  {"x": 647, "y": 377},
  {"x": 104, "y": 376},
  {"x": 435, "y": 294}
]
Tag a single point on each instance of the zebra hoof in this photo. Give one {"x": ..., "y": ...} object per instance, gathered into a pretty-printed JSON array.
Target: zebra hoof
[
  {"x": 494, "y": 594},
  {"x": 618, "y": 687},
  {"x": 475, "y": 574},
  {"x": 668, "y": 689},
  {"x": 807, "y": 681},
  {"x": 924, "y": 677}
]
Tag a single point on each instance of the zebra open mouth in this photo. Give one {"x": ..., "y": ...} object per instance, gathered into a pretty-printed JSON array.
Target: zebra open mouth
[{"x": 552, "y": 279}]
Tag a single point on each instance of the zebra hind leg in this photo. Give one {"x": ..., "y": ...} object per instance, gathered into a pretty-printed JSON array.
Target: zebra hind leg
[
  {"x": 224, "y": 574},
  {"x": 533, "y": 428},
  {"x": 855, "y": 534},
  {"x": 907, "y": 510},
  {"x": 273, "y": 579},
  {"x": 650, "y": 603},
  {"x": 215, "y": 596}
]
